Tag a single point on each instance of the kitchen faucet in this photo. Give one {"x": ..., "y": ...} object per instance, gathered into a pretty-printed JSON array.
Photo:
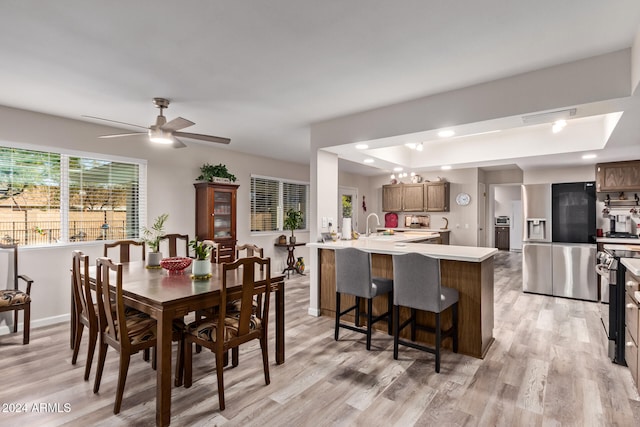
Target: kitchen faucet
[{"x": 377, "y": 220}]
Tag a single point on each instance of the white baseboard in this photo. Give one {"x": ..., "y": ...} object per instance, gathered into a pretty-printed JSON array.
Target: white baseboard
[{"x": 37, "y": 323}]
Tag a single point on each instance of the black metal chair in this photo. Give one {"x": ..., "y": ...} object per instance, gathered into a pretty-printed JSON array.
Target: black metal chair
[
  {"x": 353, "y": 277},
  {"x": 417, "y": 286}
]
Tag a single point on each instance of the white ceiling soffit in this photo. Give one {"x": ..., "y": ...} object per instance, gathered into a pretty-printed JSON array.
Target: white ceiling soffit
[{"x": 481, "y": 147}]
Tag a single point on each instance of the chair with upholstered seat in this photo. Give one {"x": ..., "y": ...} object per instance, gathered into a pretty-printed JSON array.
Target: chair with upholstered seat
[
  {"x": 353, "y": 277},
  {"x": 86, "y": 311},
  {"x": 230, "y": 330},
  {"x": 127, "y": 332},
  {"x": 11, "y": 297},
  {"x": 171, "y": 241},
  {"x": 124, "y": 249},
  {"x": 417, "y": 285}
]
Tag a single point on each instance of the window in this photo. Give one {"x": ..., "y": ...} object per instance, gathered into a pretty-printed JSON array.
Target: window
[
  {"x": 48, "y": 197},
  {"x": 271, "y": 198}
]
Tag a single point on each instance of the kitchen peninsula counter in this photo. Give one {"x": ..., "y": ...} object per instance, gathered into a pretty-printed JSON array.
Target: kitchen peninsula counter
[{"x": 465, "y": 268}]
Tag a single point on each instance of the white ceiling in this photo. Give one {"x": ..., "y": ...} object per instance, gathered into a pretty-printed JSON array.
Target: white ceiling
[{"x": 260, "y": 72}]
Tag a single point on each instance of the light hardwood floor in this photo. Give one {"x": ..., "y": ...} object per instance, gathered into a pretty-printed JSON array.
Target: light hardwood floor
[{"x": 547, "y": 367}]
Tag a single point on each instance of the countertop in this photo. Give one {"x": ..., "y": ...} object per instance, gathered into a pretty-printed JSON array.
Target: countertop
[
  {"x": 398, "y": 244},
  {"x": 617, "y": 240},
  {"x": 632, "y": 264},
  {"x": 418, "y": 230}
]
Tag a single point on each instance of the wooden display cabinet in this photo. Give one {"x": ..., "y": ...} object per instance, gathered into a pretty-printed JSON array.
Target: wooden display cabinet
[{"x": 216, "y": 216}]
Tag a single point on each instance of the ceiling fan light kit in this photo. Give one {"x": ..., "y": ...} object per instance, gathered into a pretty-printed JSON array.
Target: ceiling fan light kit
[{"x": 163, "y": 132}]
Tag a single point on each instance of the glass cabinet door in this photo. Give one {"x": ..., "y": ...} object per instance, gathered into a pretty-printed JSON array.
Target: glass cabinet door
[{"x": 222, "y": 214}]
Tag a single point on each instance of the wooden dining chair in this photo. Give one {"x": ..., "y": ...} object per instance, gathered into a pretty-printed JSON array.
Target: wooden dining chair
[
  {"x": 124, "y": 249},
  {"x": 172, "y": 240},
  {"x": 86, "y": 311},
  {"x": 126, "y": 330},
  {"x": 11, "y": 297},
  {"x": 230, "y": 330},
  {"x": 215, "y": 251},
  {"x": 249, "y": 251}
]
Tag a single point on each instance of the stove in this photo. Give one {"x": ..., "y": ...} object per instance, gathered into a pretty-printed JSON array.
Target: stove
[
  {"x": 621, "y": 235},
  {"x": 612, "y": 276}
]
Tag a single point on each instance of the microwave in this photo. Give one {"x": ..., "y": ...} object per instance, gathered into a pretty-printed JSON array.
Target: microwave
[{"x": 503, "y": 221}]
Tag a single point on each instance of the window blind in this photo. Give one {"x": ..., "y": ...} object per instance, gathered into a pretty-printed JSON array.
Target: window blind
[
  {"x": 270, "y": 200},
  {"x": 49, "y": 197}
]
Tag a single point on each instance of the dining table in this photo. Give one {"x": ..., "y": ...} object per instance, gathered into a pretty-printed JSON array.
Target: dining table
[{"x": 165, "y": 297}]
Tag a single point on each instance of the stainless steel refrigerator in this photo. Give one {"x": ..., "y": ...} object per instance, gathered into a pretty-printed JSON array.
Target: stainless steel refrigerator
[{"x": 559, "y": 250}]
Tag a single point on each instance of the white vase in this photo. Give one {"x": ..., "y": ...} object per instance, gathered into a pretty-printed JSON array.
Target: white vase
[
  {"x": 154, "y": 258},
  {"x": 346, "y": 228},
  {"x": 201, "y": 267}
]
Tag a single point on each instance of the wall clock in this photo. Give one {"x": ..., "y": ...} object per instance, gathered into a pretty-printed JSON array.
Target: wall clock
[{"x": 463, "y": 199}]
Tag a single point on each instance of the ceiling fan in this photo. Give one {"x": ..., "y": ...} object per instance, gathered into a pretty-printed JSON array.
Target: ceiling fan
[{"x": 163, "y": 132}]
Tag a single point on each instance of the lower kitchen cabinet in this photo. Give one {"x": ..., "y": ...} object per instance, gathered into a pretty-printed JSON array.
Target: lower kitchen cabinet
[
  {"x": 632, "y": 322},
  {"x": 502, "y": 238}
]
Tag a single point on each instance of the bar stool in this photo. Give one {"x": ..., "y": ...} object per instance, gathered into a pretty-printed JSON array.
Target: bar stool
[
  {"x": 353, "y": 277},
  {"x": 417, "y": 286}
]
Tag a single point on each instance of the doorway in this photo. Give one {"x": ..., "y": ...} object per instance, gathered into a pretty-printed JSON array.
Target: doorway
[{"x": 348, "y": 205}]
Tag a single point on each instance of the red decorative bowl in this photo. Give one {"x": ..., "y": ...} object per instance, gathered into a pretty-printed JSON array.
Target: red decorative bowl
[{"x": 175, "y": 265}]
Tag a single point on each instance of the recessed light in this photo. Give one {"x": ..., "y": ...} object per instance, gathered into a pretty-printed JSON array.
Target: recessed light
[
  {"x": 589, "y": 156},
  {"x": 361, "y": 146},
  {"x": 411, "y": 145},
  {"x": 419, "y": 147},
  {"x": 397, "y": 169},
  {"x": 445, "y": 168},
  {"x": 558, "y": 125},
  {"x": 446, "y": 133},
  {"x": 368, "y": 160}
]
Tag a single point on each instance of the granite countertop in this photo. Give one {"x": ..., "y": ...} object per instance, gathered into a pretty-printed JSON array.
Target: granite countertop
[{"x": 397, "y": 244}]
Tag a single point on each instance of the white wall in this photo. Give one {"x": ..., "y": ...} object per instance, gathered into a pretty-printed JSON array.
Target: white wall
[
  {"x": 557, "y": 175},
  {"x": 504, "y": 195},
  {"x": 171, "y": 174}
]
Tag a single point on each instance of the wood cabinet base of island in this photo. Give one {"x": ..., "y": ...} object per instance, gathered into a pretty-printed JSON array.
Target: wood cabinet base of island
[{"x": 473, "y": 280}]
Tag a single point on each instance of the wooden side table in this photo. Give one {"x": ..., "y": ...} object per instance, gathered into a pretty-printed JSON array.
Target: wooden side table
[{"x": 291, "y": 258}]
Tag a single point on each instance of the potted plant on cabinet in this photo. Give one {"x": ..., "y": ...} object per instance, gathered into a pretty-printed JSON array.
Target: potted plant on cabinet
[
  {"x": 201, "y": 266},
  {"x": 292, "y": 221},
  {"x": 151, "y": 236},
  {"x": 217, "y": 173}
]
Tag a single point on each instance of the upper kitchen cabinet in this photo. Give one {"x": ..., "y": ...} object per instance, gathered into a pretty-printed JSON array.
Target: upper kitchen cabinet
[
  {"x": 412, "y": 198},
  {"x": 618, "y": 176},
  {"x": 216, "y": 216},
  {"x": 436, "y": 197},
  {"x": 392, "y": 198},
  {"x": 426, "y": 197}
]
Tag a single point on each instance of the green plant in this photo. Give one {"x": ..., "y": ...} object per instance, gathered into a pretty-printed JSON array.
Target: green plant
[
  {"x": 208, "y": 172},
  {"x": 201, "y": 249},
  {"x": 292, "y": 220},
  {"x": 151, "y": 236},
  {"x": 346, "y": 207}
]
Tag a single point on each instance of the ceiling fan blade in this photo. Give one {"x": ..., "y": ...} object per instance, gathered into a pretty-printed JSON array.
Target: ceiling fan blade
[
  {"x": 118, "y": 135},
  {"x": 177, "y": 124},
  {"x": 177, "y": 143},
  {"x": 210, "y": 138},
  {"x": 115, "y": 121}
]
